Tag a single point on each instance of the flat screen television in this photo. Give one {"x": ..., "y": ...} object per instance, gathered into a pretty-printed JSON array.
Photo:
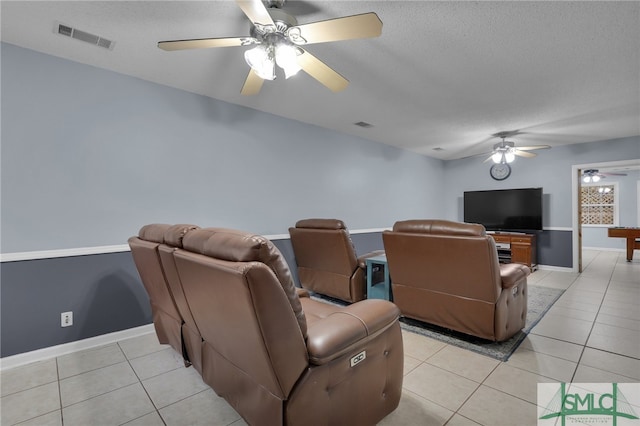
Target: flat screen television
[{"x": 505, "y": 209}]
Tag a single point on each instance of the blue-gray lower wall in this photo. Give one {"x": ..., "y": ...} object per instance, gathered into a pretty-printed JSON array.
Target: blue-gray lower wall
[
  {"x": 555, "y": 248},
  {"x": 105, "y": 293}
]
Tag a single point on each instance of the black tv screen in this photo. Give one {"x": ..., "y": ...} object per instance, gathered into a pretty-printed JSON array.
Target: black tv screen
[{"x": 505, "y": 209}]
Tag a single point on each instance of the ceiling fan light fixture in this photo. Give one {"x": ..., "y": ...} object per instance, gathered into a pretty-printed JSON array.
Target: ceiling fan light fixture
[
  {"x": 497, "y": 157},
  {"x": 276, "y": 32},
  {"x": 509, "y": 156},
  {"x": 287, "y": 59},
  {"x": 590, "y": 176},
  {"x": 261, "y": 60}
]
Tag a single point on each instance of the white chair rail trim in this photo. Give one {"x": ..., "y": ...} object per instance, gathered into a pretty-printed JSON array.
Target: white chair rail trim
[{"x": 86, "y": 251}]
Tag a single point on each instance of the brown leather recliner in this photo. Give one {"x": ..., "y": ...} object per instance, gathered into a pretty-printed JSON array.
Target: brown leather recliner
[
  {"x": 327, "y": 260},
  {"x": 447, "y": 273},
  {"x": 276, "y": 355},
  {"x": 152, "y": 252}
]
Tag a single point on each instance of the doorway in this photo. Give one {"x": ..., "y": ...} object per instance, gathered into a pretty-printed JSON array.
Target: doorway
[{"x": 576, "y": 172}]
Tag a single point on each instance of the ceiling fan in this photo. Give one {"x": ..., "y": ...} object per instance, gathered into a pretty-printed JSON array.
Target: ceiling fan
[
  {"x": 506, "y": 151},
  {"x": 593, "y": 175},
  {"x": 278, "y": 39}
]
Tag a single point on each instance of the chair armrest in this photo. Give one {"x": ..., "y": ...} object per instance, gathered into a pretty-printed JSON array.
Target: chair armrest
[
  {"x": 512, "y": 273},
  {"x": 302, "y": 292},
  {"x": 362, "y": 260},
  {"x": 349, "y": 328}
]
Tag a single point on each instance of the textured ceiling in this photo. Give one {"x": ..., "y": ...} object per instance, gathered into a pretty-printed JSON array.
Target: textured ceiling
[{"x": 441, "y": 78}]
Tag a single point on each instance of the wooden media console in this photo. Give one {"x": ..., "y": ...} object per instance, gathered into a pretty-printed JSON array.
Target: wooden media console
[{"x": 517, "y": 248}]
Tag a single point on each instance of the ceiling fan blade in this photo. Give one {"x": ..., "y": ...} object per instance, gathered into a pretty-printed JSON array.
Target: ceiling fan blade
[
  {"x": 507, "y": 134},
  {"x": 482, "y": 154},
  {"x": 252, "y": 84},
  {"x": 346, "y": 28},
  {"x": 322, "y": 72},
  {"x": 520, "y": 153},
  {"x": 204, "y": 43},
  {"x": 613, "y": 174},
  {"x": 489, "y": 158},
  {"x": 256, "y": 12},
  {"x": 532, "y": 147}
]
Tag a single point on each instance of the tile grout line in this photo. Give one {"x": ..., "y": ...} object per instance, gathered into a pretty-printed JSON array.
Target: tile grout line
[
  {"x": 479, "y": 385},
  {"x": 59, "y": 391},
  {"x": 93, "y": 370},
  {"x": 143, "y": 387},
  {"x": 594, "y": 266},
  {"x": 577, "y": 362},
  {"x": 593, "y": 323}
]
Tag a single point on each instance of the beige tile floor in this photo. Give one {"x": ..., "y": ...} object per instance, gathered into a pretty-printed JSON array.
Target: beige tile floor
[{"x": 591, "y": 334}]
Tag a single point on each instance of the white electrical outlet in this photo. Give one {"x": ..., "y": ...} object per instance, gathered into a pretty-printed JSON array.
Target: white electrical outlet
[{"x": 66, "y": 319}]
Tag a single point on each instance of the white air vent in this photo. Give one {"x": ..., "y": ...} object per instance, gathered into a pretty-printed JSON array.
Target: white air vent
[{"x": 68, "y": 31}]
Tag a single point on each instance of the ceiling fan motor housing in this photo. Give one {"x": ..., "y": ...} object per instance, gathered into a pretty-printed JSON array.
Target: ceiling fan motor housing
[
  {"x": 504, "y": 146},
  {"x": 281, "y": 19},
  {"x": 274, "y": 3}
]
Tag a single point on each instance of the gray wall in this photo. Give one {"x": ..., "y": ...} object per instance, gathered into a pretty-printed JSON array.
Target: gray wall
[
  {"x": 551, "y": 170},
  {"x": 89, "y": 156}
]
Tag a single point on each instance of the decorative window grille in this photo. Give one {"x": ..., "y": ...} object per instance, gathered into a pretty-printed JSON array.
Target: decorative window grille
[{"x": 599, "y": 204}]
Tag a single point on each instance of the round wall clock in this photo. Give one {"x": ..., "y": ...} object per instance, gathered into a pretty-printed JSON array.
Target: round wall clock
[{"x": 500, "y": 171}]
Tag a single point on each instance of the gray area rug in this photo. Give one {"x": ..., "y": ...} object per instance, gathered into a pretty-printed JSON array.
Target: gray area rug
[{"x": 540, "y": 299}]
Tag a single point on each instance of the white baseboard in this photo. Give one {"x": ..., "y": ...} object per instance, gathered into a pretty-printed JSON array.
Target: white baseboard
[
  {"x": 67, "y": 348},
  {"x": 555, "y": 268}
]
